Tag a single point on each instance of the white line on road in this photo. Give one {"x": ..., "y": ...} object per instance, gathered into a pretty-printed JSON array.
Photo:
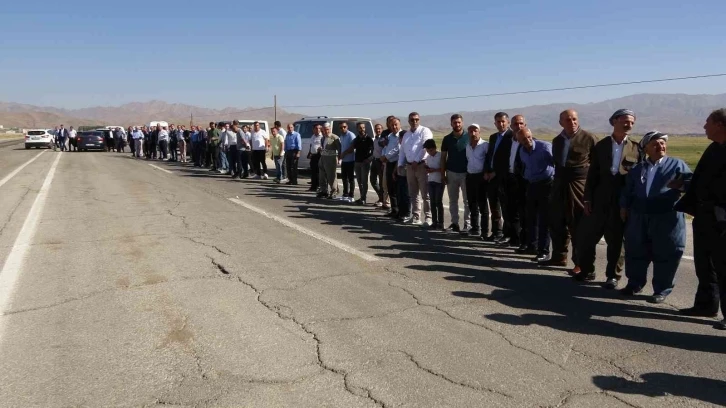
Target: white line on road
[
  {"x": 159, "y": 168},
  {"x": 303, "y": 230},
  {"x": 16, "y": 171},
  {"x": 14, "y": 262}
]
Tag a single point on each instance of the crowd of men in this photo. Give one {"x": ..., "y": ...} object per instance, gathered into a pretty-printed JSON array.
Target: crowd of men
[
  {"x": 533, "y": 196},
  {"x": 537, "y": 197}
]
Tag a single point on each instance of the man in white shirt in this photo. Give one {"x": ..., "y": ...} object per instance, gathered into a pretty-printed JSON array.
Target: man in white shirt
[
  {"x": 316, "y": 146},
  {"x": 72, "y": 142},
  {"x": 476, "y": 183},
  {"x": 412, "y": 156},
  {"x": 260, "y": 142},
  {"x": 228, "y": 140}
]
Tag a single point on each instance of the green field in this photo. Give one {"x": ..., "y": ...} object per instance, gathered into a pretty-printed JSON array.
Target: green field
[{"x": 687, "y": 148}]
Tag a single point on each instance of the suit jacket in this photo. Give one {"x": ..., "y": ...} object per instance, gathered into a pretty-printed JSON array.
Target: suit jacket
[
  {"x": 602, "y": 188},
  {"x": 500, "y": 164},
  {"x": 706, "y": 191},
  {"x": 62, "y": 132}
]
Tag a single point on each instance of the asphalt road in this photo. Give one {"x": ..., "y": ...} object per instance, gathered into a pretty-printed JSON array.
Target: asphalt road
[{"x": 127, "y": 284}]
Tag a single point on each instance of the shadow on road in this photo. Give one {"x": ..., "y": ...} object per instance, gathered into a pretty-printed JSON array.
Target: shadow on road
[
  {"x": 662, "y": 384},
  {"x": 566, "y": 305}
]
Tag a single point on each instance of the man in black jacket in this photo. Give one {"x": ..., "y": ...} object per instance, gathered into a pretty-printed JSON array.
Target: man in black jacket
[
  {"x": 705, "y": 200},
  {"x": 496, "y": 170}
]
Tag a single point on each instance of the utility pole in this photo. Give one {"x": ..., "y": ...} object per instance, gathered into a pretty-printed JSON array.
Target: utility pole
[
  {"x": 275, "y": 107},
  {"x": 191, "y": 119}
]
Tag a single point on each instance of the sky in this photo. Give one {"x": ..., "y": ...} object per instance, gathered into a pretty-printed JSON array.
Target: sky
[{"x": 79, "y": 53}]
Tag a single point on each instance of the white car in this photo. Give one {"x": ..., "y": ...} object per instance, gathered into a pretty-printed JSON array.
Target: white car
[
  {"x": 39, "y": 138},
  {"x": 305, "y": 127}
]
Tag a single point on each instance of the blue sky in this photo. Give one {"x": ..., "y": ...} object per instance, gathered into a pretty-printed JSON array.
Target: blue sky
[{"x": 80, "y": 53}]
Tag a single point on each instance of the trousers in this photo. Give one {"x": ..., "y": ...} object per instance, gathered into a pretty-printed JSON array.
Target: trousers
[{"x": 362, "y": 172}]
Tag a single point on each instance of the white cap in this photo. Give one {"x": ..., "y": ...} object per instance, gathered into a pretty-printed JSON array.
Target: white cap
[{"x": 474, "y": 125}]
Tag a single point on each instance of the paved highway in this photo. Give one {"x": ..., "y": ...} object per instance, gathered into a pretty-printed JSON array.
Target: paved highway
[{"x": 127, "y": 284}]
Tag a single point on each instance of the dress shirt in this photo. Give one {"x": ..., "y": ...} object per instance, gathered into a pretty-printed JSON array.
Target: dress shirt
[
  {"x": 228, "y": 138},
  {"x": 316, "y": 142},
  {"x": 412, "y": 150},
  {"x": 513, "y": 155},
  {"x": 475, "y": 156},
  {"x": 434, "y": 162},
  {"x": 652, "y": 167},
  {"x": 258, "y": 140},
  {"x": 293, "y": 141},
  {"x": 617, "y": 155},
  {"x": 346, "y": 141},
  {"x": 72, "y": 134},
  {"x": 377, "y": 148},
  {"x": 391, "y": 149},
  {"x": 163, "y": 135},
  {"x": 137, "y": 134},
  {"x": 538, "y": 163}
]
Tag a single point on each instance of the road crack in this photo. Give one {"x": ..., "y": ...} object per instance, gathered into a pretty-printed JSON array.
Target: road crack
[{"x": 480, "y": 388}]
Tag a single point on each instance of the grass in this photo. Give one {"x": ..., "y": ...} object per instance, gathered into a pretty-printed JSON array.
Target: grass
[
  {"x": 6, "y": 136},
  {"x": 686, "y": 148}
]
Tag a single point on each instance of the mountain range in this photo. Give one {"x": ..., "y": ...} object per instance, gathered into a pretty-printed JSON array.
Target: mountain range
[{"x": 672, "y": 113}]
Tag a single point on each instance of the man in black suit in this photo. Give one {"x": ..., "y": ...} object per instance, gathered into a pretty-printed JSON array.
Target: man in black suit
[
  {"x": 705, "y": 200},
  {"x": 496, "y": 170}
]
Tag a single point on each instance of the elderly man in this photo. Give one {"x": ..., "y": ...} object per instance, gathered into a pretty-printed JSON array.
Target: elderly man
[
  {"x": 571, "y": 151},
  {"x": 612, "y": 158},
  {"x": 654, "y": 232},
  {"x": 705, "y": 200},
  {"x": 328, "y": 163},
  {"x": 538, "y": 171},
  {"x": 412, "y": 156},
  {"x": 138, "y": 136}
]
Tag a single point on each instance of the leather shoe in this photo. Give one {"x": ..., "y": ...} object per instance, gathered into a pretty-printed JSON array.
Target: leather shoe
[
  {"x": 554, "y": 262},
  {"x": 698, "y": 312},
  {"x": 574, "y": 271},
  {"x": 585, "y": 277},
  {"x": 524, "y": 249},
  {"x": 541, "y": 258},
  {"x": 657, "y": 299},
  {"x": 630, "y": 291},
  {"x": 491, "y": 238},
  {"x": 611, "y": 284}
]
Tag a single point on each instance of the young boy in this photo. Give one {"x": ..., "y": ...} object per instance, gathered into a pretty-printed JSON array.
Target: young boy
[{"x": 436, "y": 187}]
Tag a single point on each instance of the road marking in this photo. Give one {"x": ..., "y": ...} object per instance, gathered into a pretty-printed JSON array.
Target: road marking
[
  {"x": 159, "y": 168},
  {"x": 16, "y": 171},
  {"x": 14, "y": 262},
  {"x": 303, "y": 230}
]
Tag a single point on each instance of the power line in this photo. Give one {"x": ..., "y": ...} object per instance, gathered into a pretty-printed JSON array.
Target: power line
[{"x": 449, "y": 98}]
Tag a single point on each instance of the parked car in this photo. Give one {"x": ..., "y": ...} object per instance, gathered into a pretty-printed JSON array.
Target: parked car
[
  {"x": 91, "y": 140},
  {"x": 305, "y": 127},
  {"x": 250, "y": 122},
  {"x": 39, "y": 138}
]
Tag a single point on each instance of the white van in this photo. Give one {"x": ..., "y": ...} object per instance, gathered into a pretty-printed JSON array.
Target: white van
[
  {"x": 152, "y": 125},
  {"x": 305, "y": 127}
]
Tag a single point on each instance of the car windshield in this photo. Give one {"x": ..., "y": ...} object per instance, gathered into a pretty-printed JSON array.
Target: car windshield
[
  {"x": 36, "y": 132},
  {"x": 352, "y": 126},
  {"x": 306, "y": 128}
]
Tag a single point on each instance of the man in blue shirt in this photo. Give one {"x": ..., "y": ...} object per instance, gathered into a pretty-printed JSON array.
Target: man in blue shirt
[
  {"x": 293, "y": 145},
  {"x": 539, "y": 170},
  {"x": 347, "y": 158}
]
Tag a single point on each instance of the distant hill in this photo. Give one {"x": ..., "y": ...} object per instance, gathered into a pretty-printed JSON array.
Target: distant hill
[
  {"x": 671, "y": 113},
  {"x": 20, "y": 115}
]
